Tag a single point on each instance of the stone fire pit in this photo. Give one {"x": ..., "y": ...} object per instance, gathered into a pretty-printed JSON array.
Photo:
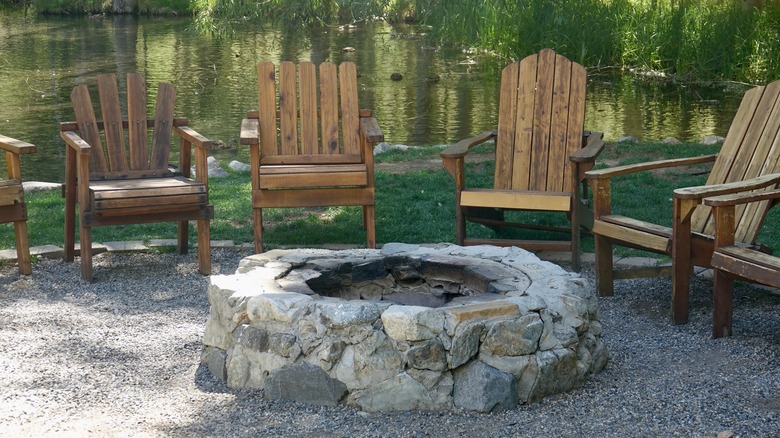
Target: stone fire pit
[{"x": 406, "y": 327}]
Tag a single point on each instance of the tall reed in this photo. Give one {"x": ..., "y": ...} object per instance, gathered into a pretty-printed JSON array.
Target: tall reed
[{"x": 699, "y": 39}]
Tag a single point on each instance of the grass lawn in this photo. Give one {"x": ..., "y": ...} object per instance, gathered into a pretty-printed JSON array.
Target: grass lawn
[{"x": 415, "y": 204}]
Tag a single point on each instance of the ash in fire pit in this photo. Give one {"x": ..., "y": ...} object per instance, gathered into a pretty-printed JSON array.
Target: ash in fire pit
[
  {"x": 407, "y": 327},
  {"x": 411, "y": 281}
]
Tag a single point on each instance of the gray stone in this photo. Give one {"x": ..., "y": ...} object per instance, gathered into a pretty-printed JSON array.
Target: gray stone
[
  {"x": 369, "y": 362},
  {"x": 369, "y": 271},
  {"x": 627, "y": 138},
  {"x": 712, "y": 139},
  {"x": 671, "y": 140},
  {"x": 337, "y": 314},
  {"x": 465, "y": 343},
  {"x": 429, "y": 355},
  {"x": 239, "y": 166},
  {"x": 557, "y": 373},
  {"x": 252, "y": 338},
  {"x": 402, "y": 393},
  {"x": 304, "y": 383},
  {"x": 39, "y": 186},
  {"x": 482, "y": 388},
  {"x": 214, "y": 359},
  {"x": 283, "y": 344},
  {"x": 412, "y": 323},
  {"x": 514, "y": 337}
]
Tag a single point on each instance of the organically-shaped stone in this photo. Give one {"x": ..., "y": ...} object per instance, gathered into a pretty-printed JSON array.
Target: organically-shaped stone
[
  {"x": 478, "y": 312},
  {"x": 282, "y": 307},
  {"x": 429, "y": 355},
  {"x": 465, "y": 343},
  {"x": 372, "y": 361},
  {"x": 338, "y": 314},
  {"x": 304, "y": 383},
  {"x": 515, "y": 337},
  {"x": 401, "y": 393},
  {"x": 557, "y": 373},
  {"x": 412, "y": 323},
  {"x": 482, "y": 388}
]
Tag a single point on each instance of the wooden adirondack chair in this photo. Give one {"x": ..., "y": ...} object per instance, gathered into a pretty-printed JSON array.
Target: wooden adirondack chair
[
  {"x": 310, "y": 148},
  {"x": 12, "y": 206},
  {"x": 751, "y": 149},
  {"x": 542, "y": 153},
  {"x": 731, "y": 261},
  {"x": 133, "y": 184}
]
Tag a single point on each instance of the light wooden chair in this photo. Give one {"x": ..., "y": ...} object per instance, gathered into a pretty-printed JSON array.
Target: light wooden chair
[
  {"x": 751, "y": 149},
  {"x": 731, "y": 261},
  {"x": 12, "y": 205},
  {"x": 542, "y": 153},
  {"x": 313, "y": 146},
  {"x": 131, "y": 182}
]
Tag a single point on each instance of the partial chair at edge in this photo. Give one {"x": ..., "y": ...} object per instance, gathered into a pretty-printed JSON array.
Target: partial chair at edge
[
  {"x": 12, "y": 205},
  {"x": 751, "y": 150}
]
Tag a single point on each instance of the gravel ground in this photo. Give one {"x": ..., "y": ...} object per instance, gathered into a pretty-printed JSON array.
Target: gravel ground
[{"x": 120, "y": 357}]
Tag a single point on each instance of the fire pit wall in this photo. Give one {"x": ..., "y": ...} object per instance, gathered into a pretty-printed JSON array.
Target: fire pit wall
[{"x": 408, "y": 327}]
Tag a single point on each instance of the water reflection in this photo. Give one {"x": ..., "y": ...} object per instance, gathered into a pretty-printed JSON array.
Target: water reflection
[{"x": 444, "y": 95}]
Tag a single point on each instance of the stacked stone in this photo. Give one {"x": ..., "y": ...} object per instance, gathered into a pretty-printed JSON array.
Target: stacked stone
[{"x": 516, "y": 330}]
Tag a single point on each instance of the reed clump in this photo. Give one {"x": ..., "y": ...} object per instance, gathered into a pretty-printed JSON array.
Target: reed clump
[{"x": 696, "y": 40}]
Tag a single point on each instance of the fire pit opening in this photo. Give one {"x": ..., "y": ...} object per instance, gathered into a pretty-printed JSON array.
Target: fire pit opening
[
  {"x": 404, "y": 280},
  {"x": 408, "y": 327}
]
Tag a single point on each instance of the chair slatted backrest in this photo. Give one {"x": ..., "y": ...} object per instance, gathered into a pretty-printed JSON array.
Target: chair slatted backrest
[
  {"x": 751, "y": 149},
  {"x": 325, "y": 129},
  {"x": 125, "y": 151},
  {"x": 540, "y": 122}
]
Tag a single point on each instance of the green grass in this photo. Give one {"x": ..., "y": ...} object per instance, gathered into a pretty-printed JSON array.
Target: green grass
[{"x": 414, "y": 207}]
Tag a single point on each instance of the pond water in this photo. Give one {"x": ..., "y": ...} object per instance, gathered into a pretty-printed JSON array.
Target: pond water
[{"x": 445, "y": 94}]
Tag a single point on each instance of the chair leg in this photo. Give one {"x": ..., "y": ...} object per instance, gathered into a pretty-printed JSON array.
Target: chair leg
[
  {"x": 183, "y": 237},
  {"x": 605, "y": 277},
  {"x": 460, "y": 225},
  {"x": 258, "y": 222},
  {"x": 575, "y": 237},
  {"x": 69, "y": 249},
  {"x": 722, "y": 314},
  {"x": 370, "y": 224},
  {"x": 22, "y": 248},
  {"x": 85, "y": 235},
  {"x": 204, "y": 247}
]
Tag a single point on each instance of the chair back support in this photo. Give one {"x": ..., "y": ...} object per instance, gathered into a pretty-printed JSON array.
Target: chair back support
[
  {"x": 751, "y": 149},
  {"x": 540, "y": 122},
  {"x": 135, "y": 159},
  {"x": 292, "y": 136}
]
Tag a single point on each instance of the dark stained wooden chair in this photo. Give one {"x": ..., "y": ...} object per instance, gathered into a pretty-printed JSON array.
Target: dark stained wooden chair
[
  {"x": 312, "y": 146},
  {"x": 129, "y": 181},
  {"x": 731, "y": 261},
  {"x": 751, "y": 149},
  {"x": 12, "y": 205},
  {"x": 542, "y": 153}
]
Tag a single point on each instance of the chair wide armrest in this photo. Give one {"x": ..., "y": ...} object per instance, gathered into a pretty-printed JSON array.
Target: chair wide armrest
[
  {"x": 741, "y": 198},
  {"x": 250, "y": 130},
  {"x": 640, "y": 167},
  {"x": 700, "y": 192},
  {"x": 16, "y": 146},
  {"x": 75, "y": 141},
  {"x": 193, "y": 137},
  {"x": 461, "y": 148},
  {"x": 370, "y": 128},
  {"x": 594, "y": 144}
]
